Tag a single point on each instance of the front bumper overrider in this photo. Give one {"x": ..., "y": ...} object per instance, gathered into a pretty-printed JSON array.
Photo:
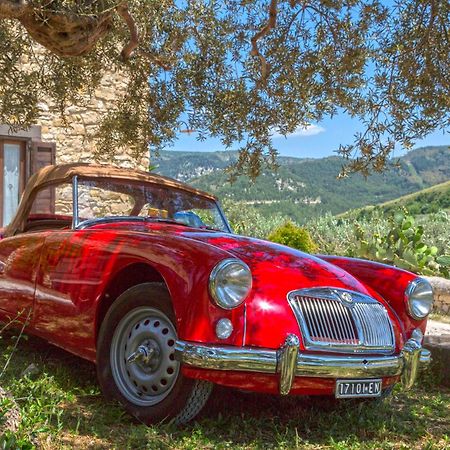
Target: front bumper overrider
[{"x": 289, "y": 363}]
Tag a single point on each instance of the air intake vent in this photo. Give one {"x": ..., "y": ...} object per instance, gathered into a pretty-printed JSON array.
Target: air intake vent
[{"x": 339, "y": 320}]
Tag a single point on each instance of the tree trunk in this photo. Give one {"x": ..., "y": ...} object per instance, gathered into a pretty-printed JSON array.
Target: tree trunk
[{"x": 63, "y": 33}]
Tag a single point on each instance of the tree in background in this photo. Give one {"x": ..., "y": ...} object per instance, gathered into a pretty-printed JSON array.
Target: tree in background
[{"x": 238, "y": 70}]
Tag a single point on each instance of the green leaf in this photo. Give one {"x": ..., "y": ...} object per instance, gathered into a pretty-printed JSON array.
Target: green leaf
[
  {"x": 411, "y": 257},
  {"x": 407, "y": 224},
  {"x": 443, "y": 260},
  {"x": 421, "y": 248},
  {"x": 433, "y": 250},
  {"x": 398, "y": 217}
]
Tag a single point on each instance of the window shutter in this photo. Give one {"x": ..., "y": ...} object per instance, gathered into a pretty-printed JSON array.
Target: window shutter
[{"x": 43, "y": 154}]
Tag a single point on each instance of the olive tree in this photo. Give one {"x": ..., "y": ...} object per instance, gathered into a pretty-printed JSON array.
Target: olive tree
[{"x": 238, "y": 70}]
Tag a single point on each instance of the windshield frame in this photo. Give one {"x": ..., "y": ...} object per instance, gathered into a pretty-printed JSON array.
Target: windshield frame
[{"x": 78, "y": 225}]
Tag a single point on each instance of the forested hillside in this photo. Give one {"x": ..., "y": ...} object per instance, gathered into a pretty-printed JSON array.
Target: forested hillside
[{"x": 304, "y": 188}]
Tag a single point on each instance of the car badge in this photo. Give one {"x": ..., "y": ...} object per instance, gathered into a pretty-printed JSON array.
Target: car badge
[{"x": 346, "y": 298}]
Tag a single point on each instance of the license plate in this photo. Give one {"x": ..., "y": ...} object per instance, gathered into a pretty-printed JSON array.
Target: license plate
[{"x": 358, "y": 388}]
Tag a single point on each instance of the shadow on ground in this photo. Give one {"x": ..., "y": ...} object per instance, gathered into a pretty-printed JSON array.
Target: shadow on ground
[{"x": 82, "y": 418}]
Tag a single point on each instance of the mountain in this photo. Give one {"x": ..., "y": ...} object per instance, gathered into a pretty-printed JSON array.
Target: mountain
[{"x": 303, "y": 188}]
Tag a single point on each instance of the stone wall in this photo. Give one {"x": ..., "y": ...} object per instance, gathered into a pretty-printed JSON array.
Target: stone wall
[
  {"x": 441, "y": 289},
  {"x": 74, "y": 140}
]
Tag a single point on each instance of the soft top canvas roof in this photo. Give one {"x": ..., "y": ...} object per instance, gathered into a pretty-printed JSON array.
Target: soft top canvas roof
[{"x": 65, "y": 172}]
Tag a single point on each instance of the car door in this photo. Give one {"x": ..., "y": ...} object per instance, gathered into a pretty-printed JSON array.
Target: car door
[
  {"x": 75, "y": 265},
  {"x": 19, "y": 265}
]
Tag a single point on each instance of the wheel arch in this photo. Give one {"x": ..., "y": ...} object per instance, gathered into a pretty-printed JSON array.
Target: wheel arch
[{"x": 134, "y": 273}]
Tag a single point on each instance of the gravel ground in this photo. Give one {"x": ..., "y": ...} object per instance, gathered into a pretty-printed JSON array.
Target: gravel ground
[{"x": 435, "y": 328}]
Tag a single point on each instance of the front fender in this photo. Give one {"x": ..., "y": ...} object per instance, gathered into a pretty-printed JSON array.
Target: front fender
[
  {"x": 185, "y": 266},
  {"x": 388, "y": 281}
]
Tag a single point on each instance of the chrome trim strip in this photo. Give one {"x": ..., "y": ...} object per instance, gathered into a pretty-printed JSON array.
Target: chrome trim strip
[
  {"x": 75, "y": 218},
  {"x": 282, "y": 361},
  {"x": 244, "y": 359},
  {"x": 265, "y": 361}
]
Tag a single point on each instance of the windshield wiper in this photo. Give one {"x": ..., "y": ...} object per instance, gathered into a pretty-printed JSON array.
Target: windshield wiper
[
  {"x": 158, "y": 219},
  {"x": 173, "y": 221}
]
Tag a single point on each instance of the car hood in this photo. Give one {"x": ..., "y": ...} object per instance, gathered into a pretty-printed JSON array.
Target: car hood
[
  {"x": 260, "y": 255},
  {"x": 291, "y": 268}
]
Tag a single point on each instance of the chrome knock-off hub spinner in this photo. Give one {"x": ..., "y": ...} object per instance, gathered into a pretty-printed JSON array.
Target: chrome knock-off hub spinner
[{"x": 147, "y": 355}]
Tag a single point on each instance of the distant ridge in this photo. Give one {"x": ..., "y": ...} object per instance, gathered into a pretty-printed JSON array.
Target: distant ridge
[
  {"x": 303, "y": 188},
  {"x": 426, "y": 201}
]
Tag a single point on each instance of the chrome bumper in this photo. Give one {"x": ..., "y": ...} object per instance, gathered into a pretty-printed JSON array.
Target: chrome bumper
[{"x": 290, "y": 363}]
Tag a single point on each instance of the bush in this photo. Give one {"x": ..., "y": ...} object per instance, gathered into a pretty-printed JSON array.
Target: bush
[
  {"x": 247, "y": 221},
  {"x": 293, "y": 236}
]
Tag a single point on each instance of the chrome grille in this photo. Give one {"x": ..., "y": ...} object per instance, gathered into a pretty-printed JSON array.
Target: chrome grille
[{"x": 339, "y": 320}]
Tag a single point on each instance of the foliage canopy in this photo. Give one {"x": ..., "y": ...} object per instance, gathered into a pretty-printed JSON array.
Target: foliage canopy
[{"x": 238, "y": 70}]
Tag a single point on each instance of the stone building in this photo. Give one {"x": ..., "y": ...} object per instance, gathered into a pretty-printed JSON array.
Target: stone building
[{"x": 51, "y": 141}]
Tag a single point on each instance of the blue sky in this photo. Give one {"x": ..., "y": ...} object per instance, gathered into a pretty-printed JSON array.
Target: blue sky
[{"x": 317, "y": 141}]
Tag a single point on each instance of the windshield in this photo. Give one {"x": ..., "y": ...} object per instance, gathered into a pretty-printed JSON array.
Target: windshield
[{"x": 115, "y": 198}]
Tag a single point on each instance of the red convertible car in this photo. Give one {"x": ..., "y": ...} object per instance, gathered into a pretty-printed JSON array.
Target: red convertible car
[{"x": 142, "y": 275}]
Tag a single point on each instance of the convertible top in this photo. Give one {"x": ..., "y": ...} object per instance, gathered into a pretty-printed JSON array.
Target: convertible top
[{"x": 65, "y": 172}]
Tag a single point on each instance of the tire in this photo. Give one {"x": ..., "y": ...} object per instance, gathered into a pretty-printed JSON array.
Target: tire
[{"x": 136, "y": 358}]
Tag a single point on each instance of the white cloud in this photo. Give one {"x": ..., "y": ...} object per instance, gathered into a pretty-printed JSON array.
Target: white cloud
[{"x": 308, "y": 130}]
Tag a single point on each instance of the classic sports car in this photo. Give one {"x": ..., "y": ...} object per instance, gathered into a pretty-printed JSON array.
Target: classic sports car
[{"x": 142, "y": 275}]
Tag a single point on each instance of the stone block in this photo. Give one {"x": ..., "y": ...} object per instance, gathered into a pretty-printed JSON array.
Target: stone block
[
  {"x": 441, "y": 289},
  {"x": 439, "y": 346},
  {"x": 75, "y": 142}
]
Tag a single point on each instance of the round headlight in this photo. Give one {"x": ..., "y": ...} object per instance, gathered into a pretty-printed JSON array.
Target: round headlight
[
  {"x": 419, "y": 295},
  {"x": 230, "y": 282}
]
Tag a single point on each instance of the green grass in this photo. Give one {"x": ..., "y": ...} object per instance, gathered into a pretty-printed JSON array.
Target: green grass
[
  {"x": 424, "y": 202},
  {"x": 440, "y": 188},
  {"x": 62, "y": 407}
]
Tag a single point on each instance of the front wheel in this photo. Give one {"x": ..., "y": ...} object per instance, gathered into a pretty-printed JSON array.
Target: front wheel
[{"x": 136, "y": 358}]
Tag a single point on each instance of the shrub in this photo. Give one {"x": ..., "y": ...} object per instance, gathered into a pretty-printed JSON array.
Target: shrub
[
  {"x": 293, "y": 236},
  {"x": 248, "y": 221}
]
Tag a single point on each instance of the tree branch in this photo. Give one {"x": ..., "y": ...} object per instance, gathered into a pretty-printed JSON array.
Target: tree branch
[
  {"x": 265, "y": 30},
  {"x": 123, "y": 12},
  {"x": 158, "y": 60}
]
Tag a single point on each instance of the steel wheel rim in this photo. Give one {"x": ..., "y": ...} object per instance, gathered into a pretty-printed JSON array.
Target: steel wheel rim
[{"x": 142, "y": 356}]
